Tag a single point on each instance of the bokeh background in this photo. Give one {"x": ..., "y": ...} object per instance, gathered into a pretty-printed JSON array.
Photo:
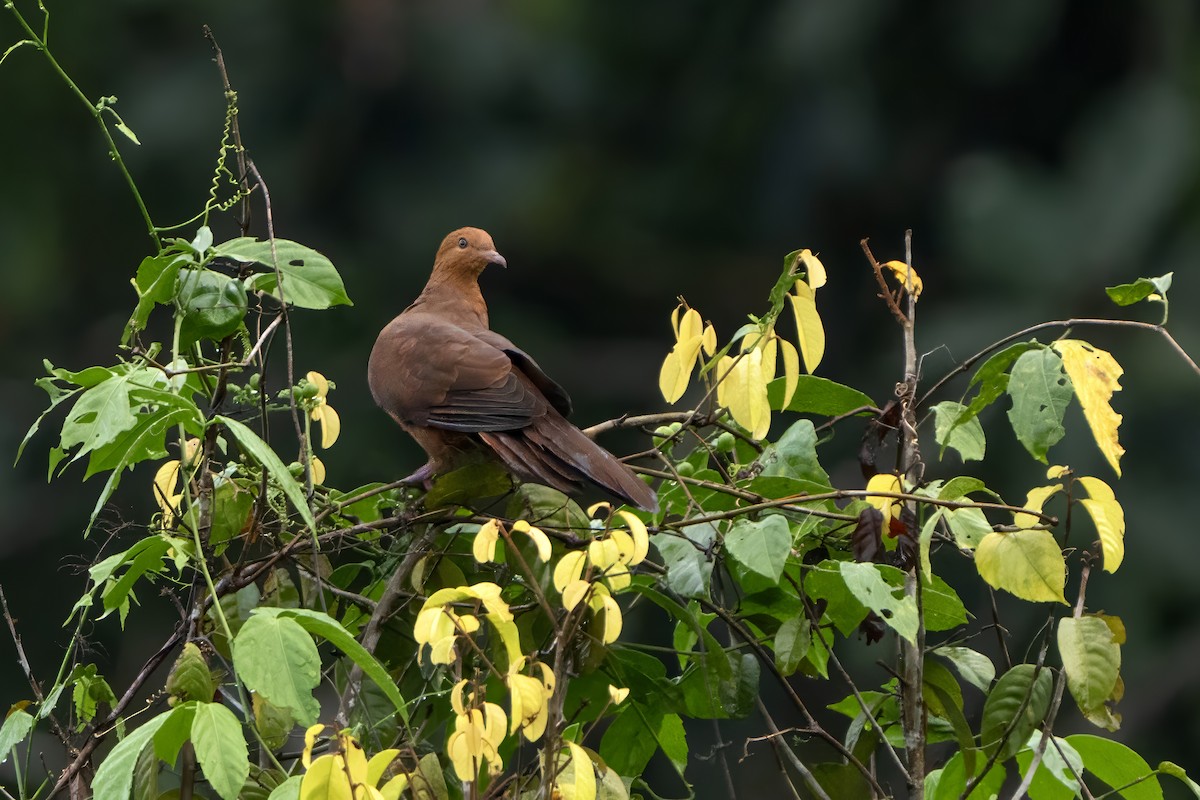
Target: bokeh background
[{"x": 624, "y": 153}]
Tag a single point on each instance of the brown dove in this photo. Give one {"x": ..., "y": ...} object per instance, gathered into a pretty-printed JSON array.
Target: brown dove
[{"x": 458, "y": 388}]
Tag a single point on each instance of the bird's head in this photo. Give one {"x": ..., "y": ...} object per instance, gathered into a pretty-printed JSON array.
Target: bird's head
[{"x": 466, "y": 252}]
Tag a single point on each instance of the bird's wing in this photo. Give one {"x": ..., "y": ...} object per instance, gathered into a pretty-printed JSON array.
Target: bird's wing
[{"x": 429, "y": 372}]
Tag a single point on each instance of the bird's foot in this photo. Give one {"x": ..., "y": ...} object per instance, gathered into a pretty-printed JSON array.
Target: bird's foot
[{"x": 422, "y": 477}]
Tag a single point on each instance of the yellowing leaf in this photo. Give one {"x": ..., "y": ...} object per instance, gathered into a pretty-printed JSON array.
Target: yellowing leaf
[
  {"x": 355, "y": 759},
  {"x": 331, "y": 424},
  {"x": 617, "y": 696},
  {"x": 1095, "y": 374},
  {"x": 1028, "y": 564},
  {"x": 310, "y": 739},
  {"x": 901, "y": 271},
  {"x": 318, "y": 380},
  {"x": 318, "y": 471},
  {"x": 539, "y": 538},
  {"x": 378, "y": 763},
  {"x": 603, "y": 602},
  {"x": 577, "y": 781},
  {"x": 165, "y": 480},
  {"x": 885, "y": 482},
  {"x": 690, "y": 336},
  {"x": 1034, "y": 501},
  {"x": 569, "y": 568},
  {"x": 1109, "y": 518},
  {"x": 326, "y": 779},
  {"x": 483, "y": 547},
  {"x": 791, "y": 370},
  {"x": 810, "y": 332},
  {"x": 573, "y": 592},
  {"x": 814, "y": 270},
  {"x": 745, "y": 393},
  {"x": 641, "y": 540}
]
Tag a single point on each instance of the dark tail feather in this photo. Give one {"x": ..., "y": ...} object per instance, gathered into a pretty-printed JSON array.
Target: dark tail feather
[{"x": 555, "y": 452}]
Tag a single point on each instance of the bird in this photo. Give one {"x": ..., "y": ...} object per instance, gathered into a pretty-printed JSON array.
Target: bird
[{"x": 460, "y": 389}]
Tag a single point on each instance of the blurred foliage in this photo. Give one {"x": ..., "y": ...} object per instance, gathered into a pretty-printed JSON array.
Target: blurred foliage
[{"x": 629, "y": 152}]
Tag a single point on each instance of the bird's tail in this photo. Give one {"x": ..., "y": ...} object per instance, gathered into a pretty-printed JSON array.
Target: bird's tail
[{"x": 554, "y": 452}]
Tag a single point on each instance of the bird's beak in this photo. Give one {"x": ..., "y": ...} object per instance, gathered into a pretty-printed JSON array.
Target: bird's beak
[{"x": 495, "y": 258}]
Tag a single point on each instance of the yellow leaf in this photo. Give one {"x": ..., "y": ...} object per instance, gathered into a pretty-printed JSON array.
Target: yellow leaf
[
  {"x": 1035, "y": 501},
  {"x": 810, "y": 332},
  {"x": 569, "y": 568},
  {"x": 708, "y": 340},
  {"x": 509, "y": 635},
  {"x": 165, "y": 480},
  {"x": 540, "y": 539},
  {"x": 331, "y": 424},
  {"x": 456, "y": 698},
  {"x": 379, "y": 764},
  {"x": 617, "y": 696},
  {"x": 641, "y": 540},
  {"x": 1109, "y": 519},
  {"x": 676, "y": 374},
  {"x": 1028, "y": 564},
  {"x": 529, "y": 706},
  {"x": 1095, "y": 374},
  {"x": 395, "y": 787},
  {"x": 602, "y": 601},
  {"x": 724, "y": 367},
  {"x": 791, "y": 370},
  {"x": 901, "y": 271},
  {"x": 885, "y": 482},
  {"x": 1056, "y": 471},
  {"x": 310, "y": 739},
  {"x": 573, "y": 592},
  {"x": 355, "y": 759},
  {"x": 326, "y": 779},
  {"x": 577, "y": 781},
  {"x": 318, "y": 471},
  {"x": 746, "y": 394},
  {"x": 484, "y": 545},
  {"x": 814, "y": 270}
]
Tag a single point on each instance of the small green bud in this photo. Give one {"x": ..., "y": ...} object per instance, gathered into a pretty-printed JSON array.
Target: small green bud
[{"x": 725, "y": 442}]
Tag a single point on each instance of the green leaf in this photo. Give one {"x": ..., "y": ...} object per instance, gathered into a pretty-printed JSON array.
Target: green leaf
[
  {"x": 1178, "y": 772},
  {"x": 190, "y": 677},
  {"x": 868, "y": 587},
  {"x": 815, "y": 395},
  {"x": 969, "y": 526},
  {"x": 1118, "y": 766},
  {"x": 826, "y": 582},
  {"x": 290, "y": 789},
  {"x": 309, "y": 279},
  {"x": 213, "y": 305},
  {"x": 688, "y": 570},
  {"x": 974, "y": 667},
  {"x": 966, "y": 436},
  {"x": 707, "y": 694},
  {"x": 631, "y": 740},
  {"x": 944, "y": 610},
  {"x": 99, "y": 416},
  {"x": 761, "y": 546},
  {"x": 1091, "y": 659},
  {"x": 1055, "y": 776},
  {"x": 175, "y": 732},
  {"x": 16, "y": 727},
  {"x": 144, "y": 557},
  {"x": 220, "y": 749},
  {"x": 277, "y": 658},
  {"x": 792, "y": 641},
  {"x": 88, "y": 691},
  {"x": 992, "y": 378},
  {"x": 330, "y": 630},
  {"x": 1126, "y": 294},
  {"x": 1016, "y": 705},
  {"x": 795, "y": 455},
  {"x": 264, "y": 455},
  {"x": 145, "y": 775},
  {"x": 155, "y": 283},
  {"x": 114, "y": 777},
  {"x": 949, "y": 782},
  {"x": 468, "y": 485},
  {"x": 1040, "y": 391}
]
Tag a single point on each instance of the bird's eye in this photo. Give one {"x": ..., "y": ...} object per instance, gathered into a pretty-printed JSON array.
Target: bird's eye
[{"x": 462, "y": 243}]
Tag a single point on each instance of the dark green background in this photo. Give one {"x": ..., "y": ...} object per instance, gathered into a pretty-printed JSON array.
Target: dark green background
[{"x": 623, "y": 153}]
